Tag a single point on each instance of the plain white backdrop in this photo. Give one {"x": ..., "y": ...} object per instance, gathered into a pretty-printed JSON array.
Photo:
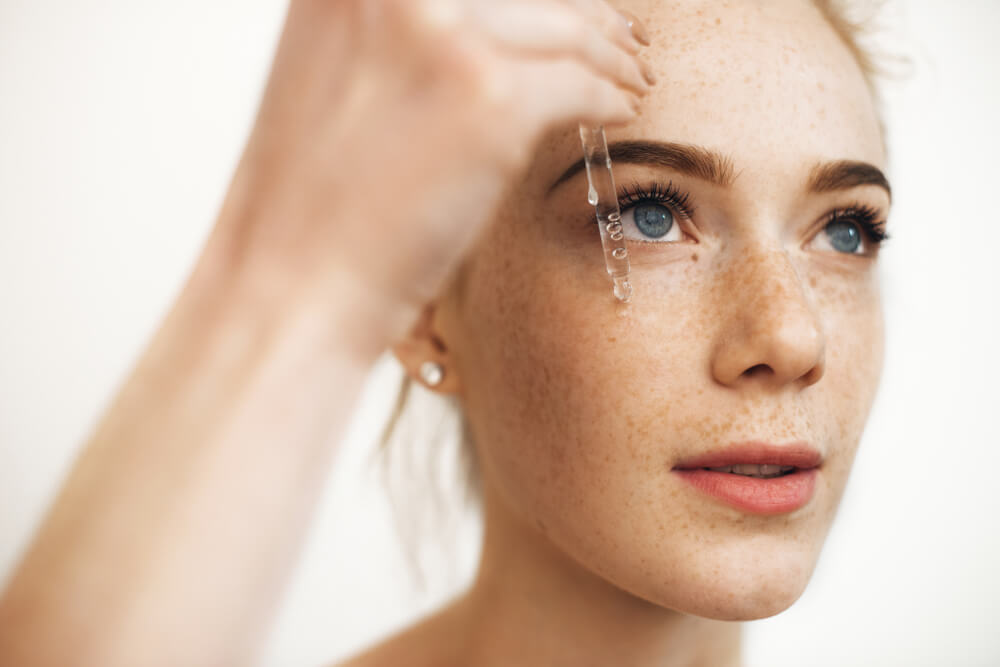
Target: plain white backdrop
[{"x": 120, "y": 124}]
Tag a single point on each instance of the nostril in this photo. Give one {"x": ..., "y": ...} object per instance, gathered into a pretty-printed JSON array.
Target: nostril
[
  {"x": 757, "y": 370},
  {"x": 815, "y": 373}
]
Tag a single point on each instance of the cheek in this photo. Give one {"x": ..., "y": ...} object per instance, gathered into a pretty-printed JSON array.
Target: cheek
[
  {"x": 851, "y": 312},
  {"x": 569, "y": 395},
  {"x": 579, "y": 407}
]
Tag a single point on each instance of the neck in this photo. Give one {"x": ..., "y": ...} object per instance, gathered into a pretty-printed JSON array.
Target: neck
[{"x": 533, "y": 605}]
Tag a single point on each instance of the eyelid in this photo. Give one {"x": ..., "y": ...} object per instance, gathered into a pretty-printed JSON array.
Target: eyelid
[
  {"x": 666, "y": 194},
  {"x": 868, "y": 219},
  {"x": 679, "y": 201}
]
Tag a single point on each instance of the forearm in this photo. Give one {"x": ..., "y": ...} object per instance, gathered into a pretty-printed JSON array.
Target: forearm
[{"x": 174, "y": 533}]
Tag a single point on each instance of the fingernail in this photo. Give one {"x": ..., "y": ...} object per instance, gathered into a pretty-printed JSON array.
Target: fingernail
[
  {"x": 647, "y": 72},
  {"x": 636, "y": 27}
]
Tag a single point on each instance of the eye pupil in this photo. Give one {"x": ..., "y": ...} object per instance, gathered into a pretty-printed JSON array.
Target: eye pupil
[
  {"x": 844, "y": 236},
  {"x": 654, "y": 220}
]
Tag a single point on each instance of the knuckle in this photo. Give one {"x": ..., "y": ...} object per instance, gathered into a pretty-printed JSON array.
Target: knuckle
[
  {"x": 613, "y": 23},
  {"x": 628, "y": 69},
  {"x": 567, "y": 25},
  {"x": 592, "y": 48},
  {"x": 598, "y": 15}
]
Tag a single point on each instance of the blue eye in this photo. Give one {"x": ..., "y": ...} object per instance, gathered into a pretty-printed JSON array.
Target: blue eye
[
  {"x": 653, "y": 220},
  {"x": 844, "y": 236},
  {"x": 855, "y": 230},
  {"x": 650, "y": 213}
]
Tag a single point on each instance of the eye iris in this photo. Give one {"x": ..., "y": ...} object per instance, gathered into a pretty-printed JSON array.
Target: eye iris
[
  {"x": 653, "y": 220},
  {"x": 843, "y": 236}
]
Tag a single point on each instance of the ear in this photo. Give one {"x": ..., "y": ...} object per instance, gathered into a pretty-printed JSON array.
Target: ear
[{"x": 424, "y": 345}]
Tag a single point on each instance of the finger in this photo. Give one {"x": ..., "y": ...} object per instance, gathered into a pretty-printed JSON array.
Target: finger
[
  {"x": 636, "y": 27},
  {"x": 617, "y": 25},
  {"x": 555, "y": 30}
]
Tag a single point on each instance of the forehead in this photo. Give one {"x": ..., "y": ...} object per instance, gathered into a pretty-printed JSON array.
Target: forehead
[{"x": 768, "y": 83}]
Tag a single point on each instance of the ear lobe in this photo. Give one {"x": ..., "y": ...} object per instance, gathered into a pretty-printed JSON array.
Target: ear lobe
[{"x": 424, "y": 344}]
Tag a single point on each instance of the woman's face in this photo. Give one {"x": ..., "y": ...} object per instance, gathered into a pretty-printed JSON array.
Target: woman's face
[{"x": 752, "y": 321}]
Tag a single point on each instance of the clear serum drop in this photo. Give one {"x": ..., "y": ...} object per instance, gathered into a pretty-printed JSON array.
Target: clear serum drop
[{"x": 601, "y": 194}]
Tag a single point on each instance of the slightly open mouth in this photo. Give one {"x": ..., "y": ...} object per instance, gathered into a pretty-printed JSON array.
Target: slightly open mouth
[
  {"x": 757, "y": 488},
  {"x": 762, "y": 471}
]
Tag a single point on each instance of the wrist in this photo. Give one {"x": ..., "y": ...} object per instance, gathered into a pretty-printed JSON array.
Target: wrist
[{"x": 332, "y": 318}]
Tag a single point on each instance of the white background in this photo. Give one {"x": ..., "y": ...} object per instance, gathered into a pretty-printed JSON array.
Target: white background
[{"x": 120, "y": 124}]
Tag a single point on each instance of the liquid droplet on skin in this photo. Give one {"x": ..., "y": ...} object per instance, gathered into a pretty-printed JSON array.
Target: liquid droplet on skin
[
  {"x": 592, "y": 196},
  {"x": 619, "y": 253},
  {"x": 623, "y": 289}
]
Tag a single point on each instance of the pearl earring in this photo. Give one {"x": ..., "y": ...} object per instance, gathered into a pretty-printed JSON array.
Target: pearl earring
[{"x": 432, "y": 373}]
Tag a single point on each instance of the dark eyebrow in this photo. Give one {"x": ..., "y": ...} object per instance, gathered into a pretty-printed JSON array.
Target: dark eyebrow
[
  {"x": 717, "y": 169},
  {"x": 685, "y": 158},
  {"x": 844, "y": 174}
]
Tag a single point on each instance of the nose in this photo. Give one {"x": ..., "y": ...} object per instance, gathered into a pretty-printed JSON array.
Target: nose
[{"x": 769, "y": 331}]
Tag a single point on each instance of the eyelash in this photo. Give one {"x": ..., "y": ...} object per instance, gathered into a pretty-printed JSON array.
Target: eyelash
[
  {"x": 663, "y": 193},
  {"x": 864, "y": 216}
]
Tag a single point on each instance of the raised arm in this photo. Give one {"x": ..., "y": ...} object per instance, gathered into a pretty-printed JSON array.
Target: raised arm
[{"x": 178, "y": 525}]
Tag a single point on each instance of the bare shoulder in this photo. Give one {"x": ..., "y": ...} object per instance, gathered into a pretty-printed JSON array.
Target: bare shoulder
[{"x": 436, "y": 640}]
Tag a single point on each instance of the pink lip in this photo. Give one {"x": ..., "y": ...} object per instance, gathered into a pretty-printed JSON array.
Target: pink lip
[{"x": 777, "y": 495}]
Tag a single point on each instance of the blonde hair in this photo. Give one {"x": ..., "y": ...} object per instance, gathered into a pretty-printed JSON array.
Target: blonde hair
[{"x": 415, "y": 487}]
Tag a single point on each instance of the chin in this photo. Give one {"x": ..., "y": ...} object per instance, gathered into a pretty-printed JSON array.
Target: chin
[
  {"x": 754, "y": 602},
  {"x": 742, "y": 594},
  {"x": 744, "y": 584}
]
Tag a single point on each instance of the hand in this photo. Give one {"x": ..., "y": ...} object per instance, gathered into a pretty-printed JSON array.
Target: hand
[{"x": 388, "y": 130}]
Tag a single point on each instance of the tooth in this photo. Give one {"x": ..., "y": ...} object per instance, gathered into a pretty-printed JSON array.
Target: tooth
[{"x": 754, "y": 469}]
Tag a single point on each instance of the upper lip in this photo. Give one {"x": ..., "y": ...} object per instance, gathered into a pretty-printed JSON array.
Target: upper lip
[{"x": 796, "y": 454}]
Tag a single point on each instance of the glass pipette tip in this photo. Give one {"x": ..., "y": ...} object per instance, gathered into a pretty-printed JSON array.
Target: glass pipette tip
[{"x": 603, "y": 197}]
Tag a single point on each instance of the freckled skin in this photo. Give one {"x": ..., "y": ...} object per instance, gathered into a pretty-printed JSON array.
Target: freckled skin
[{"x": 747, "y": 329}]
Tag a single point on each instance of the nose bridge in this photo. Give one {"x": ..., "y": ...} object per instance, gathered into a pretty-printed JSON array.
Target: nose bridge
[
  {"x": 769, "y": 321},
  {"x": 770, "y": 287}
]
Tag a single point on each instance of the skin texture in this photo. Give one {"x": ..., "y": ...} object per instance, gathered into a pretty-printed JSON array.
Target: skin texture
[
  {"x": 751, "y": 327},
  {"x": 184, "y": 511}
]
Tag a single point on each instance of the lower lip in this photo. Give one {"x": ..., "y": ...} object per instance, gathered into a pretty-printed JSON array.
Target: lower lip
[{"x": 757, "y": 495}]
